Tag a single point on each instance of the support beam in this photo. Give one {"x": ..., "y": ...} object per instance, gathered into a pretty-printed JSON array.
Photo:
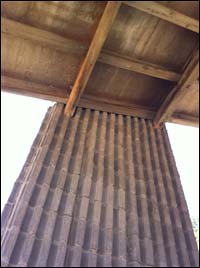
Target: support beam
[
  {"x": 36, "y": 90},
  {"x": 65, "y": 45},
  {"x": 156, "y": 9},
  {"x": 184, "y": 119},
  {"x": 137, "y": 66},
  {"x": 190, "y": 74},
  {"x": 99, "y": 38},
  {"x": 39, "y": 36},
  {"x": 32, "y": 89}
]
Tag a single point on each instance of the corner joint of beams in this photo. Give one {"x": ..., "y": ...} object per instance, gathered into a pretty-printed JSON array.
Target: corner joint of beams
[{"x": 159, "y": 125}]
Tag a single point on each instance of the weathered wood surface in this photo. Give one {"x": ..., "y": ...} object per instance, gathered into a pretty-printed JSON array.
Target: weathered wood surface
[
  {"x": 65, "y": 45},
  {"x": 44, "y": 43},
  {"x": 184, "y": 119},
  {"x": 156, "y": 9},
  {"x": 27, "y": 88},
  {"x": 137, "y": 66},
  {"x": 190, "y": 74},
  {"x": 99, "y": 38}
]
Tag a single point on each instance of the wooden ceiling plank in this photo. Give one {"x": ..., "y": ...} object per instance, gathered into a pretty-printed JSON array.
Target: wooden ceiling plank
[
  {"x": 36, "y": 90},
  {"x": 156, "y": 9},
  {"x": 65, "y": 45},
  {"x": 190, "y": 75},
  {"x": 99, "y": 38}
]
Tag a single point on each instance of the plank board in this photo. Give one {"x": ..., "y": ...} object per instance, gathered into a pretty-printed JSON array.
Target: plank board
[
  {"x": 66, "y": 45},
  {"x": 139, "y": 35},
  {"x": 44, "y": 43},
  {"x": 161, "y": 11},
  {"x": 180, "y": 91}
]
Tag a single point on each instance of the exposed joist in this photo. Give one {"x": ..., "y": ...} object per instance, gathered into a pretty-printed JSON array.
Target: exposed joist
[
  {"x": 39, "y": 36},
  {"x": 41, "y": 91},
  {"x": 67, "y": 45},
  {"x": 159, "y": 10},
  {"x": 138, "y": 66},
  {"x": 99, "y": 38},
  {"x": 190, "y": 74}
]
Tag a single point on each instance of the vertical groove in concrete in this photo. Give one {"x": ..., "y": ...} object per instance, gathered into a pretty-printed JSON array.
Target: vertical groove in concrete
[{"x": 98, "y": 189}]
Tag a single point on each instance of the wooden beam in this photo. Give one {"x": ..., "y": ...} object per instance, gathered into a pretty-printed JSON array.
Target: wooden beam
[
  {"x": 116, "y": 106},
  {"x": 46, "y": 38},
  {"x": 183, "y": 119},
  {"x": 99, "y": 38},
  {"x": 190, "y": 74},
  {"x": 32, "y": 89},
  {"x": 41, "y": 91},
  {"x": 156, "y": 9},
  {"x": 138, "y": 66},
  {"x": 65, "y": 45}
]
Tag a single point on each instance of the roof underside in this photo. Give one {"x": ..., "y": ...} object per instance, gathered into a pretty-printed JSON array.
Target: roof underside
[{"x": 45, "y": 42}]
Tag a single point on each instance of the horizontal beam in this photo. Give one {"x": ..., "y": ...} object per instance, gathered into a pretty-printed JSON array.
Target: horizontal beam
[
  {"x": 98, "y": 40},
  {"x": 183, "y": 119},
  {"x": 32, "y": 89},
  {"x": 190, "y": 75},
  {"x": 41, "y": 91},
  {"x": 159, "y": 10},
  {"x": 71, "y": 46},
  {"x": 45, "y": 92},
  {"x": 116, "y": 106},
  {"x": 43, "y": 37},
  {"x": 137, "y": 66}
]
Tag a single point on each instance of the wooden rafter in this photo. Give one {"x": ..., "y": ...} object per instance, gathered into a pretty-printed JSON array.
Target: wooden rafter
[
  {"x": 190, "y": 74},
  {"x": 65, "y": 45},
  {"x": 40, "y": 36},
  {"x": 156, "y": 9},
  {"x": 99, "y": 38},
  {"x": 139, "y": 66}
]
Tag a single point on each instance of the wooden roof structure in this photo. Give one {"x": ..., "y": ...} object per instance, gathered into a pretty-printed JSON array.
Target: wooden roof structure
[{"x": 137, "y": 58}]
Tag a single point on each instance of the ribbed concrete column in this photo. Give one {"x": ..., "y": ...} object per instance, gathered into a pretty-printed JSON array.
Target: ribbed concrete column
[{"x": 98, "y": 189}]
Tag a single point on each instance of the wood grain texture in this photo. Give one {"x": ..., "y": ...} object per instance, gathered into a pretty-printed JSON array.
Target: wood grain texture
[
  {"x": 134, "y": 33},
  {"x": 190, "y": 103},
  {"x": 44, "y": 44},
  {"x": 88, "y": 64},
  {"x": 71, "y": 19},
  {"x": 38, "y": 61},
  {"x": 190, "y": 74},
  {"x": 24, "y": 59},
  {"x": 122, "y": 85},
  {"x": 36, "y": 90},
  {"x": 67, "y": 45},
  {"x": 184, "y": 119},
  {"x": 156, "y": 9},
  {"x": 43, "y": 37},
  {"x": 138, "y": 35},
  {"x": 137, "y": 66}
]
